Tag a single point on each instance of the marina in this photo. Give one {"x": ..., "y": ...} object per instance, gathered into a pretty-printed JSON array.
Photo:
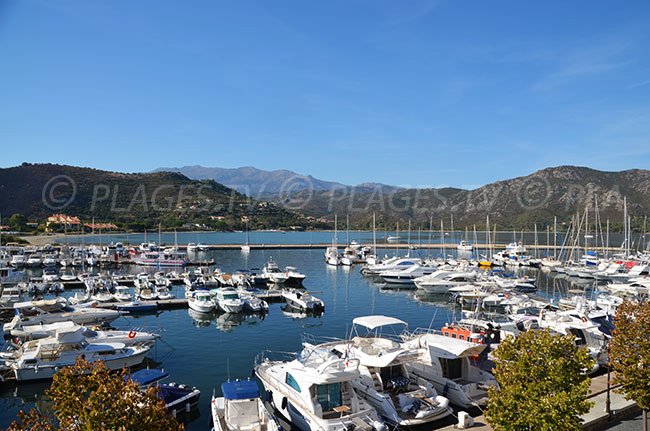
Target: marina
[{"x": 344, "y": 291}]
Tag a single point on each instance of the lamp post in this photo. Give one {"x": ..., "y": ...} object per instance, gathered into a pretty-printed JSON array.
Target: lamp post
[{"x": 608, "y": 406}]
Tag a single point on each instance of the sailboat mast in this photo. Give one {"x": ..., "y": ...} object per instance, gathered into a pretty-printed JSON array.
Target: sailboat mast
[
  {"x": 555, "y": 238},
  {"x": 347, "y": 229},
  {"x": 374, "y": 236},
  {"x": 453, "y": 236},
  {"x": 442, "y": 238},
  {"x": 408, "y": 236},
  {"x": 397, "y": 242},
  {"x": 607, "y": 241}
]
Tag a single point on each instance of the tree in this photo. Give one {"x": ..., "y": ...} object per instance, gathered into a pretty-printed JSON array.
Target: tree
[
  {"x": 87, "y": 396},
  {"x": 629, "y": 353},
  {"x": 542, "y": 383},
  {"x": 17, "y": 222}
]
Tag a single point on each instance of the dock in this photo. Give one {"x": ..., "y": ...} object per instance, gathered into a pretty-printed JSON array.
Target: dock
[{"x": 596, "y": 419}]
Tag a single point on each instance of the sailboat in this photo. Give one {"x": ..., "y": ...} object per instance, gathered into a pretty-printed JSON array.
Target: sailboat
[
  {"x": 246, "y": 248},
  {"x": 464, "y": 244},
  {"x": 332, "y": 252}
]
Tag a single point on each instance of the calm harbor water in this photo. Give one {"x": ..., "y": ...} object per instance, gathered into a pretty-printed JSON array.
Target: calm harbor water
[
  {"x": 324, "y": 237},
  {"x": 204, "y": 352}
]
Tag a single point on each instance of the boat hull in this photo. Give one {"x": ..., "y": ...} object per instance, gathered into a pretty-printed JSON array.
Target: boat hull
[{"x": 45, "y": 372}]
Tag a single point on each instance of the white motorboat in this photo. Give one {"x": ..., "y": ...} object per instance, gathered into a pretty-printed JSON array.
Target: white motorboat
[
  {"x": 68, "y": 276},
  {"x": 332, "y": 256},
  {"x": 56, "y": 310},
  {"x": 33, "y": 261},
  {"x": 253, "y": 303},
  {"x": 392, "y": 264},
  {"x": 145, "y": 290},
  {"x": 9, "y": 296},
  {"x": 42, "y": 358},
  {"x": 17, "y": 260},
  {"x": 407, "y": 275},
  {"x": 464, "y": 246},
  {"x": 102, "y": 295},
  {"x": 294, "y": 278},
  {"x": 585, "y": 332},
  {"x": 93, "y": 336},
  {"x": 446, "y": 363},
  {"x": 273, "y": 274},
  {"x": 303, "y": 300},
  {"x": 314, "y": 391},
  {"x": 163, "y": 292},
  {"x": 442, "y": 280},
  {"x": 228, "y": 300},
  {"x": 201, "y": 302},
  {"x": 241, "y": 409},
  {"x": 122, "y": 294},
  {"x": 191, "y": 247},
  {"x": 400, "y": 398}
]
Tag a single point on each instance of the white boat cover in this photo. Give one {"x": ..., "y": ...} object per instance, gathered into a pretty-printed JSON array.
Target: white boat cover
[
  {"x": 372, "y": 322},
  {"x": 450, "y": 348}
]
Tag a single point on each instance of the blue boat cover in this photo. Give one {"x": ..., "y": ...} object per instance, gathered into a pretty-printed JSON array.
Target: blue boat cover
[
  {"x": 240, "y": 390},
  {"x": 146, "y": 377}
]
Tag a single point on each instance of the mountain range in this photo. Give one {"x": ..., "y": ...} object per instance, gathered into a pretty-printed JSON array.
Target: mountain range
[
  {"x": 260, "y": 184},
  {"x": 174, "y": 199},
  {"x": 523, "y": 201},
  {"x": 132, "y": 200}
]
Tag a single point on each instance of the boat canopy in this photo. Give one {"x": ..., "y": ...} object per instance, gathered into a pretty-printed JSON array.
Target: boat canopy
[
  {"x": 240, "y": 390},
  {"x": 148, "y": 376},
  {"x": 451, "y": 348},
  {"x": 69, "y": 335},
  {"x": 373, "y": 322}
]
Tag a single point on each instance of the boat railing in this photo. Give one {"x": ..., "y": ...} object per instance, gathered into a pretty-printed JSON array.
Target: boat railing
[
  {"x": 315, "y": 340},
  {"x": 422, "y": 331},
  {"x": 274, "y": 356}
]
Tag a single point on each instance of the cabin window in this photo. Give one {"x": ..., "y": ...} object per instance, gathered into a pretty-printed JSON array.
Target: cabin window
[
  {"x": 452, "y": 368},
  {"x": 329, "y": 396},
  {"x": 292, "y": 382},
  {"x": 453, "y": 335},
  {"x": 462, "y": 337}
]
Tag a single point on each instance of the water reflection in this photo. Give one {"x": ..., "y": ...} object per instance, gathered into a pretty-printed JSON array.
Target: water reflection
[{"x": 225, "y": 322}]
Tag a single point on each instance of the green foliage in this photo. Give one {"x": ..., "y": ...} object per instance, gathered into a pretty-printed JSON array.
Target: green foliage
[
  {"x": 542, "y": 384},
  {"x": 629, "y": 351},
  {"x": 88, "y": 397},
  {"x": 6, "y": 238},
  {"x": 131, "y": 201},
  {"x": 17, "y": 222}
]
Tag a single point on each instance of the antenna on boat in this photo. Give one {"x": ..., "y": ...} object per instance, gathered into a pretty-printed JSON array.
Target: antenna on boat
[{"x": 228, "y": 368}]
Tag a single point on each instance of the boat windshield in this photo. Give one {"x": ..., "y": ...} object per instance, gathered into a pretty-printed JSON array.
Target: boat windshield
[
  {"x": 230, "y": 296},
  {"x": 606, "y": 326}
]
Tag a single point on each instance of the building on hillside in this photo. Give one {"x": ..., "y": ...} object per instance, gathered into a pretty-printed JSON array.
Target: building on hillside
[
  {"x": 100, "y": 226},
  {"x": 60, "y": 222}
]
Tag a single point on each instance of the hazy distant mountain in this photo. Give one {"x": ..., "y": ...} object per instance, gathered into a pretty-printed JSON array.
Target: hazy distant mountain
[
  {"x": 259, "y": 183},
  {"x": 535, "y": 198}
]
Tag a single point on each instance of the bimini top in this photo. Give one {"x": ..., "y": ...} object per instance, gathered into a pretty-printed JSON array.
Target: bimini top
[
  {"x": 372, "y": 322},
  {"x": 240, "y": 390}
]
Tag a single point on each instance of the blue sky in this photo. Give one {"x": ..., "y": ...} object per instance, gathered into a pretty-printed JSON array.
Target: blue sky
[{"x": 418, "y": 93}]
